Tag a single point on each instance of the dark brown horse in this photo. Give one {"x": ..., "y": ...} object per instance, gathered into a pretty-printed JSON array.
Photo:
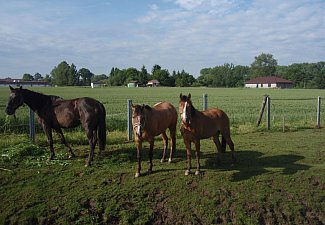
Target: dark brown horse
[
  {"x": 56, "y": 113},
  {"x": 198, "y": 125},
  {"x": 149, "y": 122}
]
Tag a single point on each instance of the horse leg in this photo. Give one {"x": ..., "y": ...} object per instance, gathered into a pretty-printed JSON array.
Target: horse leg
[
  {"x": 188, "y": 156},
  {"x": 139, "y": 147},
  {"x": 48, "y": 133},
  {"x": 90, "y": 136},
  {"x": 150, "y": 155},
  {"x": 197, "y": 152},
  {"x": 232, "y": 148},
  {"x": 223, "y": 144},
  {"x": 60, "y": 133},
  {"x": 218, "y": 145},
  {"x": 165, "y": 140},
  {"x": 172, "y": 143}
]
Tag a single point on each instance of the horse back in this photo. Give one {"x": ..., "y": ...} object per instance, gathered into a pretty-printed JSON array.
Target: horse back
[
  {"x": 71, "y": 113},
  {"x": 163, "y": 115}
]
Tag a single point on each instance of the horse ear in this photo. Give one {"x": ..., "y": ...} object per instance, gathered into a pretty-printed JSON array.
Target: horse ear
[
  {"x": 180, "y": 95},
  {"x": 11, "y": 88},
  {"x": 189, "y": 96}
]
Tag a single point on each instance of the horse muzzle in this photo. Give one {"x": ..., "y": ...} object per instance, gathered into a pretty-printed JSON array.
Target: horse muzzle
[{"x": 10, "y": 111}]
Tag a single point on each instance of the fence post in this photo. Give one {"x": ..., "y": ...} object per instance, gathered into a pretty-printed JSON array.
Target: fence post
[
  {"x": 318, "y": 112},
  {"x": 268, "y": 112},
  {"x": 31, "y": 126},
  {"x": 205, "y": 101},
  {"x": 130, "y": 130},
  {"x": 261, "y": 111}
]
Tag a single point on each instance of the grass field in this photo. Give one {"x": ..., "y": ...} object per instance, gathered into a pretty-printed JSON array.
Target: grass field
[{"x": 278, "y": 179}]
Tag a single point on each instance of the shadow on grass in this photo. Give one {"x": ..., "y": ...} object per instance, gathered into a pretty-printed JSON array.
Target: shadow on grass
[{"x": 253, "y": 163}]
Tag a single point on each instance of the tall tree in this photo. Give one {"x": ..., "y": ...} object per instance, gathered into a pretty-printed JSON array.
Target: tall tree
[
  {"x": 28, "y": 77},
  {"x": 143, "y": 75},
  {"x": 84, "y": 76},
  {"x": 63, "y": 74},
  {"x": 38, "y": 76},
  {"x": 264, "y": 65}
]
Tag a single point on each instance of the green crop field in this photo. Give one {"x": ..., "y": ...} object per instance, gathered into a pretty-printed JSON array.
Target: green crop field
[{"x": 279, "y": 177}]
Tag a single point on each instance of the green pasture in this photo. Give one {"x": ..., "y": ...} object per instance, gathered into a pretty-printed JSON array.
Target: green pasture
[
  {"x": 279, "y": 176},
  {"x": 296, "y": 107}
]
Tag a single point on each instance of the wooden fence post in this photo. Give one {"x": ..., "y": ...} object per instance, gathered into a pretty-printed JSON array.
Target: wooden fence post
[
  {"x": 31, "y": 126},
  {"x": 318, "y": 112},
  {"x": 262, "y": 110},
  {"x": 268, "y": 118},
  {"x": 205, "y": 101},
  {"x": 130, "y": 128}
]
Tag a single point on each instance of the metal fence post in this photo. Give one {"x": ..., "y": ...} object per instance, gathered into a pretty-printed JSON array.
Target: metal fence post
[
  {"x": 31, "y": 126},
  {"x": 268, "y": 118},
  {"x": 205, "y": 101},
  {"x": 130, "y": 130},
  {"x": 318, "y": 112}
]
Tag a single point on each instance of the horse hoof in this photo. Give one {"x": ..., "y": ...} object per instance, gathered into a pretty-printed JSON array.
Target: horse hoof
[
  {"x": 72, "y": 156},
  {"x": 87, "y": 164},
  {"x": 187, "y": 172},
  {"x": 163, "y": 160},
  {"x": 137, "y": 175},
  {"x": 169, "y": 160},
  {"x": 197, "y": 172}
]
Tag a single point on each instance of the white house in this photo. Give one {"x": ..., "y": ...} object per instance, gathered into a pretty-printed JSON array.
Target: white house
[{"x": 268, "y": 82}]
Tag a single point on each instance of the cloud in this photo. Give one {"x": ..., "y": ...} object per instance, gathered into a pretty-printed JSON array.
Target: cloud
[{"x": 176, "y": 34}]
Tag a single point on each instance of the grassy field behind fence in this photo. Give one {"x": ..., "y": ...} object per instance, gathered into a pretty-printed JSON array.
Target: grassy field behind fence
[
  {"x": 279, "y": 177},
  {"x": 296, "y": 107}
]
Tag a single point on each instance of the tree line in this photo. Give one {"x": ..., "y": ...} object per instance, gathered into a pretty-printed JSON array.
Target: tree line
[{"x": 303, "y": 75}]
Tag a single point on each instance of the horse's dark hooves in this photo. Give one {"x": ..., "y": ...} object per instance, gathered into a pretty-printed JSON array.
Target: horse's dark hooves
[{"x": 137, "y": 175}]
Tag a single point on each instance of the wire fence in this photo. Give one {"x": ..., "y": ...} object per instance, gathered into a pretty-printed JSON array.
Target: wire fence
[{"x": 285, "y": 114}]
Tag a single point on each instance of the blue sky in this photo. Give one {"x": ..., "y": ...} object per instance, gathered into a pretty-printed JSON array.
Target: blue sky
[{"x": 36, "y": 35}]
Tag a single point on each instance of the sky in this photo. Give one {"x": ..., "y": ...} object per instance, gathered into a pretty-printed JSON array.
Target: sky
[{"x": 36, "y": 35}]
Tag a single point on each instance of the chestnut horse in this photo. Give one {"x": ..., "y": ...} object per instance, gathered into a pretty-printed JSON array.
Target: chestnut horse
[
  {"x": 149, "y": 122},
  {"x": 55, "y": 113},
  {"x": 198, "y": 125}
]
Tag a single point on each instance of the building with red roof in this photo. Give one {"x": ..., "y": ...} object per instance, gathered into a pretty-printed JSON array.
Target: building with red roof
[{"x": 269, "y": 82}]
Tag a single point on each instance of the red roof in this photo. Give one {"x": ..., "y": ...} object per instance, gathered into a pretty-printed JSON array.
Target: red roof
[{"x": 268, "y": 80}]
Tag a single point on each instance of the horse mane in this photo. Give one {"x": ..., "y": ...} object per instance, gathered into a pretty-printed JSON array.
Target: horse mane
[
  {"x": 36, "y": 100},
  {"x": 147, "y": 107}
]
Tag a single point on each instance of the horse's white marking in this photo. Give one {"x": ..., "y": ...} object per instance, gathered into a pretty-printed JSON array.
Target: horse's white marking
[
  {"x": 184, "y": 113},
  {"x": 139, "y": 125}
]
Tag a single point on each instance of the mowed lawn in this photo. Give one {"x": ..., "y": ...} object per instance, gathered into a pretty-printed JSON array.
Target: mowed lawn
[{"x": 278, "y": 178}]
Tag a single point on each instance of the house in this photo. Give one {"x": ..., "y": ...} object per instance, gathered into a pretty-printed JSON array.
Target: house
[
  {"x": 97, "y": 84},
  {"x": 133, "y": 83},
  {"x": 153, "y": 83},
  {"x": 268, "y": 82},
  {"x": 20, "y": 82}
]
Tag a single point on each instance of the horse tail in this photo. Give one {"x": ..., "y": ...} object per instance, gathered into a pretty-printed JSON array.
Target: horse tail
[{"x": 101, "y": 128}]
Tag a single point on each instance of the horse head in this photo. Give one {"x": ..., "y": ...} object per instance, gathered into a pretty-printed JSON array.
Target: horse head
[
  {"x": 138, "y": 119},
  {"x": 16, "y": 100},
  {"x": 186, "y": 108}
]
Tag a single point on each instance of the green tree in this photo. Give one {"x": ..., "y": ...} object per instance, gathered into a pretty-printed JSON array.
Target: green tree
[
  {"x": 63, "y": 74},
  {"x": 38, "y": 76},
  {"x": 28, "y": 77},
  {"x": 100, "y": 77},
  {"x": 263, "y": 65},
  {"x": 143, "y": 76},
  {"x": 84, "y": 76}
]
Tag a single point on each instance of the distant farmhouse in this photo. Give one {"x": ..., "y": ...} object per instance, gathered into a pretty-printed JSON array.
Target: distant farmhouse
[
  {"x": 133, "y": 83},
  {"x": 268, "y": 82},
  {"x": 98, "y": 84},
  {"x": 153, "y": 83},
  {"x": 20, "y": 82}
]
